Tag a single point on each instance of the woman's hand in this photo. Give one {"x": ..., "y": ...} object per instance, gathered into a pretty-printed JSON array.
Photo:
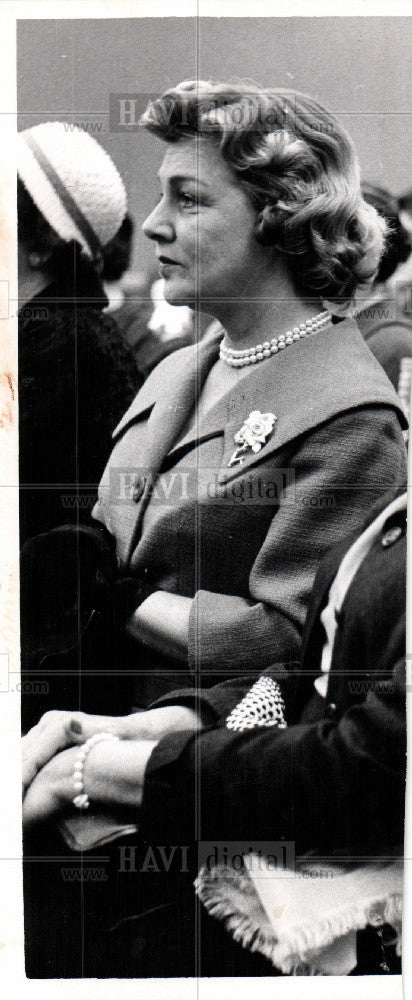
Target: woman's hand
[
  {"x": 55, "y": 731},
  {"x": 58, "y": 730},
  {"x": 114, "y": 773},
  {"x": 52, "y": 788}
]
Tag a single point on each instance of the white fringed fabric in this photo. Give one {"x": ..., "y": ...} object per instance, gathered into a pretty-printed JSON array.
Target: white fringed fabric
[{"x": 304, "y": 921}]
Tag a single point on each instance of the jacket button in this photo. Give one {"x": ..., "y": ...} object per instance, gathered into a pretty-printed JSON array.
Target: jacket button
[
  {"x": 391, "y": 536},
  {"x": 138, "y": 488},
  {"x": 331, "y": 708}
]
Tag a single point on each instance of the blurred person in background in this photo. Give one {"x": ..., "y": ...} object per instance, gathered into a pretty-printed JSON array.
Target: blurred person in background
[
  {"x": 128, "y": 293},
  {"x": 402, "y": 279},
  {"x": 117, "y": 256},
  {"x": 381, "y": 318},
  {"x": 75, "y": 373}
]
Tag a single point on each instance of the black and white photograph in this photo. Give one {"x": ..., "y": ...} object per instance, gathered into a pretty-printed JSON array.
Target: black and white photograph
[{"x": 208, "y": 379}]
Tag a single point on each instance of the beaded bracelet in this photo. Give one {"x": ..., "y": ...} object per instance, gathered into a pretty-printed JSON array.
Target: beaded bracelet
[{"x": 81, "y": 799}]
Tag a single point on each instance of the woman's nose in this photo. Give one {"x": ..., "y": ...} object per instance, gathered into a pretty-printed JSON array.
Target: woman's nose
[{"x": 157, "y": 226}]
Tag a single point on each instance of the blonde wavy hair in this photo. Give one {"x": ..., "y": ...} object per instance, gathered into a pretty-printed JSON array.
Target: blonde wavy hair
[{"x": 301, "y": 173}]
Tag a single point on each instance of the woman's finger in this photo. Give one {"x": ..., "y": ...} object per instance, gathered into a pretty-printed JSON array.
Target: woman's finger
[
  {"x": 74, "y": 730},
  {"x": 52, "y": 788},
  {"x": 38, "y": 803},
  {"x": 54, "y": 732}
]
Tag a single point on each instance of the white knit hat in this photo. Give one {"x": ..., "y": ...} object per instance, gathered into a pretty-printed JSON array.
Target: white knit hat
[{"x": 73, "y": 182}]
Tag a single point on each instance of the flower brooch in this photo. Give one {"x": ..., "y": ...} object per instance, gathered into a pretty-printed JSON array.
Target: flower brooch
[{"x": 253, "y": 434}]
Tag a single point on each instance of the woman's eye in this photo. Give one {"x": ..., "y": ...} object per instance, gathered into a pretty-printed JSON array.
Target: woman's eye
[{"x": 188, "y": 200}]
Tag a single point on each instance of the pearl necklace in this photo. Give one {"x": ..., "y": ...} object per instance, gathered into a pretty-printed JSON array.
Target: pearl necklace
[{"x": 237, "y": 359}]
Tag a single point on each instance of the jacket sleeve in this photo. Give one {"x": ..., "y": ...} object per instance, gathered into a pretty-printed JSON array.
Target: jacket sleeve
[
  {"x": 214, "y": 704},
  {"x": 326, "y": 786},
  {"x": 340, "y": 471}
]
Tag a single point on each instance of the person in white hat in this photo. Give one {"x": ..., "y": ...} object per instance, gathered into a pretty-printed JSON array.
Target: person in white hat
[
  {"x": 76, "y": 376},
  {"x": 74, "y": 184}
]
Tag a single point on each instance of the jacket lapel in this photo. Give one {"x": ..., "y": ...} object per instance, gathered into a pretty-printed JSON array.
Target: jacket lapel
[
  {"x": 164, "y": 404},
  {"x": 170, "y": 394}
]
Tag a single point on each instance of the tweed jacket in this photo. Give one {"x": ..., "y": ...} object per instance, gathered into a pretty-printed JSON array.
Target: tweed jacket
[
  {"x": 333, "y": 781},
  {"x": 244, "y": 541}
]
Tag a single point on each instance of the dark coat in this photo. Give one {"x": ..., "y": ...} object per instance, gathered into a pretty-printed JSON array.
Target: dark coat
[
  {"x": 333, "y": 782},
  {"x": 244, "y": 542},
  {"x": 75, "y": 379}
]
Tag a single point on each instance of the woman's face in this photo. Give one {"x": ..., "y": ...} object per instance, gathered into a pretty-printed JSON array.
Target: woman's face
[{"x": 203, "y": 227}]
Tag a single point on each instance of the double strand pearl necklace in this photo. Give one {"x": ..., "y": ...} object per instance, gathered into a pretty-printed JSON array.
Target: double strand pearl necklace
[{"x": 237, "y": 359}]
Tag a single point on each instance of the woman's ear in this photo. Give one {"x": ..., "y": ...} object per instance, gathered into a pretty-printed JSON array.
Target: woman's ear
[{"x": 268, "y": 227}]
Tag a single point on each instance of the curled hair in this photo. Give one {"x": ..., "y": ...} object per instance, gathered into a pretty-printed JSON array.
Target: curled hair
[
  {"x": 397, "y": 248},
  {"x": 299, "y": 169}
]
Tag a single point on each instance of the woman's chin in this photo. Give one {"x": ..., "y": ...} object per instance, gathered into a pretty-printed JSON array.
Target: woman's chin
[{"x": 176, "y": 296}]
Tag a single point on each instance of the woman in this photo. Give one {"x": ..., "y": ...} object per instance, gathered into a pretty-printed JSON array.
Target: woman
[
  {"x": 245, "y": 458},
  {"x": 75, "y": 374},
  {"x": 237, "y": 466}
]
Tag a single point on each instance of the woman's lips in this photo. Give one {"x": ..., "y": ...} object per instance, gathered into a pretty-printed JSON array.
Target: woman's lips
[{"x": 166, "y": 265}]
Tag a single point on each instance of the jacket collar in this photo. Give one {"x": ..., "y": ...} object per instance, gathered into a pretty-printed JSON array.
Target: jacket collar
[
  {"x": 303, "y": 386},
  {"x": 174, "y": 382}
]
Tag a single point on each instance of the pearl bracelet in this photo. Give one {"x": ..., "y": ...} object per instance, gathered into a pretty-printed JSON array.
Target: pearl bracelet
[{"x": 81, "y": 799}]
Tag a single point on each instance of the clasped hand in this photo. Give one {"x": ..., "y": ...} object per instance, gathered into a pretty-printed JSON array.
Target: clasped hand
[{"x": 49, "y": 751}]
